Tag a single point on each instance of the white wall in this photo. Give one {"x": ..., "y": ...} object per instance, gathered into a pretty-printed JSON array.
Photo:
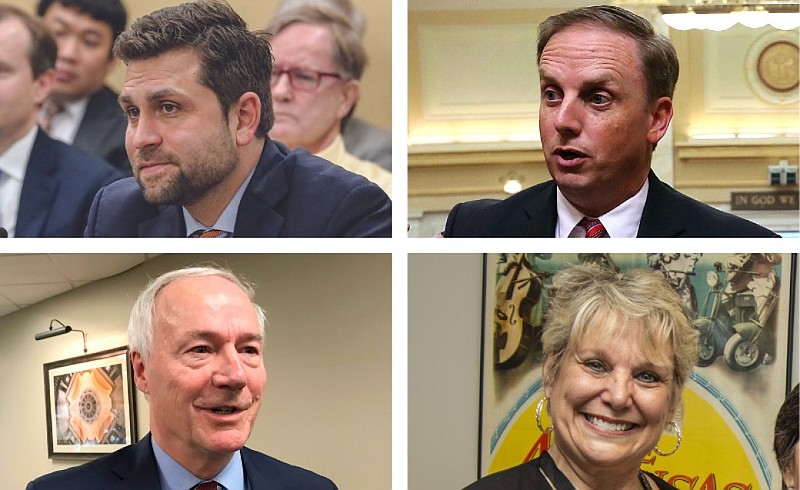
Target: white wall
[
  {"x": 327, "y": 404},
  {"x": 444, "y": 330}
]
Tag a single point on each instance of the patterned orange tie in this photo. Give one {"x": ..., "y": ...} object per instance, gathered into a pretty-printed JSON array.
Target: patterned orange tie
[
  {"x": 209, "y": 485},
  {"x": 594, "y": 228},
  {"x": 209, "y": 233}
]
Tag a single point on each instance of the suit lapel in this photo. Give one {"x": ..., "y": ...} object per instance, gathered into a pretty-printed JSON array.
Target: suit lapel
[
  {"x": 137, "y": 468},
  {"x": 662, "y": 216},
  {"x": 167, "y": 223},
  {"x": 38, "y": 188},
  {"x": 540, "y": 211},
  {"x": 257, "y": 215},
  {"x": 256, "y": 475}
]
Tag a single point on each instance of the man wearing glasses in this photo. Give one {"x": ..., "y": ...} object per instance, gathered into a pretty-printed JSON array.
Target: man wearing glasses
[
  {"x": 319, "y": 60},
  {"x": 197, "y": 98}
]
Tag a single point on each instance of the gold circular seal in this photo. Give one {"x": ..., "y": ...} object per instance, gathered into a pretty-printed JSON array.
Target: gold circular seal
[{"x": 778, "y": 66}]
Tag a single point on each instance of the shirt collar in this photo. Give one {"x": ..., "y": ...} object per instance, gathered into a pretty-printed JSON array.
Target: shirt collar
[
  {"x": 227, "y": 220},
  {"x": 621, "y": 222},
  {"x": 176, "y": 477},
  {"x": 15, "y": 160}
]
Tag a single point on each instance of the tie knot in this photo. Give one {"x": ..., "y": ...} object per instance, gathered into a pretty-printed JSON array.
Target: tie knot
[
  {"x": 594, "y": 228},
  {"x": 209, "y": 233},
  {"x": 51, "y": 109},
  {"x": 209, "y": 485}
]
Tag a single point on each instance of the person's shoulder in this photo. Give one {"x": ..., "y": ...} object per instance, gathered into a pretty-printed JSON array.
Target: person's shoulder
[
  {"x": 519, "y": 477},
  {"x": 72, "y": 161},
  {"x": 310, "y": 168},
  {"x": 697, "y": 219},
  {"x": 259, "y": 465},
  {"x": 92, "y": 474},
  {"x": 480, "y": 218}
]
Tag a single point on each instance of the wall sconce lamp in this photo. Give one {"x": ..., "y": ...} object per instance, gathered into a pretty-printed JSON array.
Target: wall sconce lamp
[
  {"x": 512, "y": 183},
  {"x": 53, "y": 332}
]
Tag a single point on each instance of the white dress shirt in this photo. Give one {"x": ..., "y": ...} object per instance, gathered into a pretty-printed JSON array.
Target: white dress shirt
[
  {"x": 13, "y": 164},
  {"x": 621, "y": 222},
  {"x": 227, "y": 220}
]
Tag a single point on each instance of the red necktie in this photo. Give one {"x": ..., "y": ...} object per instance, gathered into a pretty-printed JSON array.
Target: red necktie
[
  {"x": 208, "y": 233},
  {"x": 209, "y": 485},
  {"x": 594, "y": 228}
]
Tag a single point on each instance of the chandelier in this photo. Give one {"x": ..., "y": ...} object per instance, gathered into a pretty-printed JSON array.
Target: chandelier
[{"x": 721, "y": 15}]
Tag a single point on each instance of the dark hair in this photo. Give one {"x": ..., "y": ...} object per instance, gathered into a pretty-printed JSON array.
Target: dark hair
[
  {"x": 110, "y": 12},
  {"x": 42, "y": 53},
  {"x": 233, "y": 60},
  {"x": 786, "y": 427},
  {"x": 658, "y": 56}
]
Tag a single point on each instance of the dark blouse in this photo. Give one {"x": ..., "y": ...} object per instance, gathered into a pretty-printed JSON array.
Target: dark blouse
[{"x": 528, "y": 476}]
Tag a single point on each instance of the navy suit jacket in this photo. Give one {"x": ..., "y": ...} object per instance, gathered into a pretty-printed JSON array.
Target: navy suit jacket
[
  {"x": 532, "y": 213},
  {"x": 134, "y": 468},
  {"x": 60, "y": 182},
  {"x": 102, "y": 130},
  {"x": 291, "y": 194}
]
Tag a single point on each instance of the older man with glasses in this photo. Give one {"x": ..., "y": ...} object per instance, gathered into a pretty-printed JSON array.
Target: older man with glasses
[{"x": 321, "y": 54}]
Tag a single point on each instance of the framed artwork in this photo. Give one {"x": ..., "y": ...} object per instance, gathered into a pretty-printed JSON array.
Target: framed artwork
[
  {"x": 90, "y": 404},
  {"x": 740, "y": 304}
]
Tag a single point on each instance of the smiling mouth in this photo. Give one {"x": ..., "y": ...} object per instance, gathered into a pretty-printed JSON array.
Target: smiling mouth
[
  {"x": 610, "y": 426},
  {"x": 224, "y": 410}
]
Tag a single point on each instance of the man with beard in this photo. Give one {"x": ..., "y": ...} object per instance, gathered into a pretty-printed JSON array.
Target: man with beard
[
  {"x": 197, "y": 98},
  {"x": 196, "y": 339}
]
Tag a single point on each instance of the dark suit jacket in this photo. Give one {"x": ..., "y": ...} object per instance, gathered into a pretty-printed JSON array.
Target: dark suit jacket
[
  {"x": 102, "y": 130},
  {"x": 532, "y": 213},
  {"x": 134, "y": 468},
  {"x": 60, "y": 182},
  {"x": 291, "y": 194}
]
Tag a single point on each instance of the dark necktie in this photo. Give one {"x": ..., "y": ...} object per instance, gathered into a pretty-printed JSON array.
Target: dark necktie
[
  {"x": 209, "y": 485},
  {"x": 209, "y": 233},
  {"x": 594, "y": 228}
]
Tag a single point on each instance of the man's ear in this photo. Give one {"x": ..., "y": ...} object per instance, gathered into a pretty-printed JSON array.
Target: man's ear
[
  {"x": 244, "y": 117},
  {"x": 350, "y": 92},
  {"x": 42, "y": 86},
  {"x": 139, "y": 372},
  {"x": 661, "y": 115}
]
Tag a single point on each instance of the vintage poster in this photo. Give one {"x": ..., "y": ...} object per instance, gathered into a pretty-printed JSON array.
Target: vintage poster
[{"x": 740, "y": 306}]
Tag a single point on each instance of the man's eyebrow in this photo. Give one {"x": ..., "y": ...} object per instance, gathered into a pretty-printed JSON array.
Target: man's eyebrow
[
  {"x": 156, "y": 95},
  {"x": 209, "y": 335}
]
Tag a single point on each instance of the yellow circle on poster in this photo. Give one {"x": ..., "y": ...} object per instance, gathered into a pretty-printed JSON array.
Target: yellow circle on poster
[{"x": 693, "y": 467}]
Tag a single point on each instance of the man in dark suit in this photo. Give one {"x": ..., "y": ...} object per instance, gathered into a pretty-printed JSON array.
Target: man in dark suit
[
  {"x": 607, "y": 82},
  {"x": 199, "y": 110},
  {"x": 46, "y": 187},
  {"x": 82, "y": 110},
  {"x": 196, "y": 338}
]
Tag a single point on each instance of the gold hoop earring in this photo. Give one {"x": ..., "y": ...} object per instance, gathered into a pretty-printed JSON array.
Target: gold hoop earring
[
  {"x": 539, "y": 416},
  {"x": 680, "y": 437}
]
